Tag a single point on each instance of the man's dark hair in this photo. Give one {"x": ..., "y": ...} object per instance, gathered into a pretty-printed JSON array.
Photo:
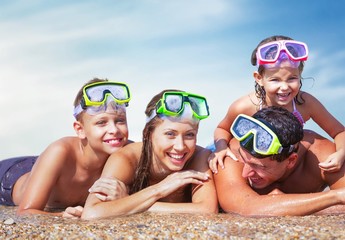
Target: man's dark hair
[{"x": 286, "y": 126}]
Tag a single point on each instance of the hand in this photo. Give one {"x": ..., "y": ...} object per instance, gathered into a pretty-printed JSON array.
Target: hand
[
  {"x": 218, "y": 158},
  {"x": 73, "y": 212},
  {"x": 275, "y": 192},
  {"x": 107, "y": 189},
  {"x": 333, "y": 163},
  {"x": 178, "y": 179}
]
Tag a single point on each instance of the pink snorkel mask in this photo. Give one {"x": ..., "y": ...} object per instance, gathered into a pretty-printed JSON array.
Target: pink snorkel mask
[{"x": 273, "y": 54}]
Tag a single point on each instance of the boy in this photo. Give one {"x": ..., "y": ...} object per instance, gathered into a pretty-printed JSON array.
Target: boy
[{"x": 63, "y": 173}]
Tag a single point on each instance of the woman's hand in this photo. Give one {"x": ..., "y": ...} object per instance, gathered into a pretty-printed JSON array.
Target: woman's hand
[
  {"x": 73, "y": 212},
  {"x": 107, "y": 189},
  {"x": 178, "y": 179}
]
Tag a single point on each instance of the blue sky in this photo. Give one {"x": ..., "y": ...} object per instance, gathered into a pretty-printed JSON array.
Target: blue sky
[{"x": 48, "y": 49}]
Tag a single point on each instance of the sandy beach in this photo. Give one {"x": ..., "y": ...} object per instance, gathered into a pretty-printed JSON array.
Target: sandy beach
[{"x": 171, "y": 226}]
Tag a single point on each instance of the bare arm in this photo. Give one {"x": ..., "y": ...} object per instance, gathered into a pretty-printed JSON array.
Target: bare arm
[
  {"x": 41, "y": 181},
  {"x": 333, "y": 127},
  {"x": 121, "y": 166},
  {"x": 235, "y": 195},
  {"x": 204, "y": 196},
  {"x": 222, "y": 134}
]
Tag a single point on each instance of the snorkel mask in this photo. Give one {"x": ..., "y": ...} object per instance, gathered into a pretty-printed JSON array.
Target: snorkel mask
[
  {"x": 181, "y": 105},
  {"x": 257, "y": 137},
  {"x": 273, "y": 54},
  {"x": 103, "y": 97}
]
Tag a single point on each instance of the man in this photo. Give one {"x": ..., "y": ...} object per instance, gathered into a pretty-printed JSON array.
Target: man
[{"x": 278, "y": 169}]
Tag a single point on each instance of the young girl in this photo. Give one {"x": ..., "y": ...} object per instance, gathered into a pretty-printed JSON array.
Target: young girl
[
  {"x": 62, "y": 175},
  {"x": 280, "y": 62},
  {"x": 167, "y": 172}
]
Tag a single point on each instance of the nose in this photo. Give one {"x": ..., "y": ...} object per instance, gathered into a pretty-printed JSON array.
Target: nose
[
  {"x": 284, "y": 85},
  {"x": 112, "y": 128},
  {"x": 179, "y": 143},
  {"x": 247, "y": 171}
]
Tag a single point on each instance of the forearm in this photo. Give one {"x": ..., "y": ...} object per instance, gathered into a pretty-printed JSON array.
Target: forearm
[
  {"x": 138, "y": 202},
  {"x": 36, "y": 211},
  {"x": 221, "y": 138},
  {"x": 285, "y": 204},
  {"x": 339, "y": 141},
  {"x": 167, "y": 207}
]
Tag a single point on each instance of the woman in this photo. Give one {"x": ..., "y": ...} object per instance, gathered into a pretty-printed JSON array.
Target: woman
[{"x": 167, "y": 172}]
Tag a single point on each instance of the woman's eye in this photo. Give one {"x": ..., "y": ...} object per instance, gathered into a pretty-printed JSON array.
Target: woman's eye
[{"x": 190, "y": 135}]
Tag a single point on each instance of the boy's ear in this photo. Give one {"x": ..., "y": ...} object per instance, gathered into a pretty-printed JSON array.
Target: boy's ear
[
  {"x": 257, "y": 77},
  {"x": 79, "y": 129}
]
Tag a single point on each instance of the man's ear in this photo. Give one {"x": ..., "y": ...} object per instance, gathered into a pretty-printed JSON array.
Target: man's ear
[
  {"x": 79, "y": 129},
  {"x": 292, "y": 160},
  {"x": 258, "y": 78}
]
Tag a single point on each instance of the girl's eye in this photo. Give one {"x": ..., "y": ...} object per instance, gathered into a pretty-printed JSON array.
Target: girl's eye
[{"x": 294, "y": 79}]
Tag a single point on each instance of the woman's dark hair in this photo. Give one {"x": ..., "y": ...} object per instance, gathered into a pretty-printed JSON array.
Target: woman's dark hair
[{"x": 141, "y": 179}]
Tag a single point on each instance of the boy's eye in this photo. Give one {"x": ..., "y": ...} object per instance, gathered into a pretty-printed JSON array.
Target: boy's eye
[
  {"x": 120, "y": 120},
  {"x": 101, "y": 122}
]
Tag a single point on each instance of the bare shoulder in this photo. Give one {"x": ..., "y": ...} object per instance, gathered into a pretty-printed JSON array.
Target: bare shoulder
[
  {"x": 199, "y": 160},
  {"x": 247, "y": 104},
  {"x": 123, "y": 163},
  {"x": 61, "y": 150},
  {"x": 317, "y": 146}
]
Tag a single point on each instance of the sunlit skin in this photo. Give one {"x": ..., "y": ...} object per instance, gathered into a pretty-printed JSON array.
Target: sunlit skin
[
  {"x": 261, "y": 172},
  {"x": 64, "y": 172},
  {"x": 281, "y": 85},
  {"x": 175, "y": 143},
  {"x": 179, "y": 179},
  {"x": 107, "y": 132}
]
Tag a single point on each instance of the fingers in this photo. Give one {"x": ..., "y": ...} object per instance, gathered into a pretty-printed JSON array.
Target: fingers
[
  {"x": 229, "y": 153},
  {"x": 191, "y": 176},
  {"x": 73, "y": 212},
  {"x": 212, "y": 164},
  {"x": 107, "y": 189}
]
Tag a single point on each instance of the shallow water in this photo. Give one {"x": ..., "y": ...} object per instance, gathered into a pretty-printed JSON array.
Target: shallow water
[{"x": 168, "y": 226}]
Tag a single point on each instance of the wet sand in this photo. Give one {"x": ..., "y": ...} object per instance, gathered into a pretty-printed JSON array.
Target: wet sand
[{"x": 171, "y": 226}]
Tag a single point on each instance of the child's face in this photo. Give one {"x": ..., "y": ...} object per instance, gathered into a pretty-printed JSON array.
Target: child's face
[
  {"x": 174, "y": 143},
  {"x": 106, "y": 132},
  {"x": 281, "y": 85}
]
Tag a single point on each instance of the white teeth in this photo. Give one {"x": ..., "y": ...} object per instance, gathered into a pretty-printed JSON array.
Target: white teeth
[
  {"x": 113, "y": 141},
  {"x": 283, "y": 94},
  {"x": 176, "y": 156}
]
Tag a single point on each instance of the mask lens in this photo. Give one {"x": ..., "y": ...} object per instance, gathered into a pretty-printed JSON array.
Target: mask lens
[
  {"x": 244, "y": 128},
  {"x": 296, "y": 50},
  {"x": 199, "y": 105},
  {"x": 173, "y": 102},
  {"x": 98, "y": 93},
  {"x": 269, "y": 52}
]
